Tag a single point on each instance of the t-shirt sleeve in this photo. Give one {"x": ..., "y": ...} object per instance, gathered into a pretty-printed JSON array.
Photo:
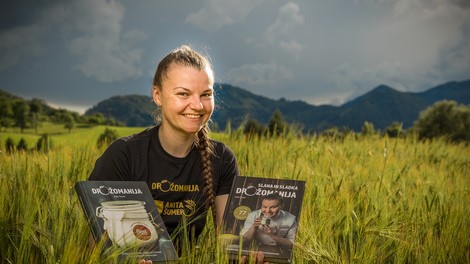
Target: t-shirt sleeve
[
  {"x": 113, "y": 165},
  {"x": 250, "y": 219},
  {"x": 292, "y": 230},
  {"x": 228, "y": 170}
]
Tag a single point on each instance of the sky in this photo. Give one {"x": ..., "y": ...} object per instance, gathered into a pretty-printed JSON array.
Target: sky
[{"x": 75, "y": 53}]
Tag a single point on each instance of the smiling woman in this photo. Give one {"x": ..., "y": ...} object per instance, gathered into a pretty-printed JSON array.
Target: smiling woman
[{"x": 178, "y": 151}]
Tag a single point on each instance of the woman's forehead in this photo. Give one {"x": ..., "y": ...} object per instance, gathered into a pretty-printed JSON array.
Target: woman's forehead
[{"x": 175, "y": 72}]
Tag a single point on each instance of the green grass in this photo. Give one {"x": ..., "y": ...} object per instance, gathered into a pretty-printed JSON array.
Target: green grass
[
  {"x": 367, "y": 200},
  {"x": 62, "y": 137}
]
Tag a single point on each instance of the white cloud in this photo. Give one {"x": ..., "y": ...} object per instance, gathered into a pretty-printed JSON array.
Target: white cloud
[
  {"x": 282, "y": 31},
  {"x": 104, "y": 51},
  {"x": 216, "y": 14},
  {"x": 288, "y": 19},
  {"x": 259, "y": 74}
]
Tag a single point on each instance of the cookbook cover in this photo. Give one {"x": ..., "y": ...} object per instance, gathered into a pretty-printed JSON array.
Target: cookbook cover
[
  {"x": 262, "y": 215},
  {"x": 125, "y": 213}
]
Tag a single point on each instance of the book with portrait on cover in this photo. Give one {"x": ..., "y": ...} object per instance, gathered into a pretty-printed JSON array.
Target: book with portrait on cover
[
  {"x": 262, "y": 214},
  {"x": 124, "y": 214}
]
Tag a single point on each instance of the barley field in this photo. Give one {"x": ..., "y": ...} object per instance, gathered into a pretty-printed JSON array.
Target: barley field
[{"x": 367, "y": 200}]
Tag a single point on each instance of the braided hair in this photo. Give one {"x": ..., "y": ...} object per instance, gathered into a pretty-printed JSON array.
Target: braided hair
[{"x": 186, "y": 56}]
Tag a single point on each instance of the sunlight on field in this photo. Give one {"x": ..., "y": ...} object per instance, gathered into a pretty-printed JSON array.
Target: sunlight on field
[{"x": 368, "y": 200}]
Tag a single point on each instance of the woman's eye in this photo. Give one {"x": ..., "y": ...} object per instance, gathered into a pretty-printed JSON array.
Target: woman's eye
[{"x": 183, "y": 94}]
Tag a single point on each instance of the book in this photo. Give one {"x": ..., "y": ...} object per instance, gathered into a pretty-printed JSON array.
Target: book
[
  {"x": 125, "y": 213},
  {"x": 262, "y": 214}
]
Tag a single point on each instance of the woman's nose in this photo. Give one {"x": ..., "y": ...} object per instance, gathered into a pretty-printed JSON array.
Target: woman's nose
[{"x": 196, "y": 103}]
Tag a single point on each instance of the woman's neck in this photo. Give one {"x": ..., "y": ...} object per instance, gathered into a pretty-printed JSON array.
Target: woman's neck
[{"x": 175, "y": 144}]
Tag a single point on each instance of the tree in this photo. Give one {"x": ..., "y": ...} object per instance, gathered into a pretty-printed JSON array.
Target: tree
[
  {"x": 44, "y": 144},
  {"x": 444, "y": 119},
  {"x": 394, "y": 130},
  {"x": 368, "y": 129},
  {"x": 9, "y": 145},
  {"x": 96, "y": 119},
  {"x": 253, "y": 127},
  {"x": 6, "y": 114},
  {"x": 107, "y": 137},
  {"x": 277, "y": 125},
  {"x": 21, "y": 111},
  {"x": 22, "y": 145},
  {"x": 333, "y": 133},
  {"x": 69, "y": 121},
  {"x": 35, "y": 112}
]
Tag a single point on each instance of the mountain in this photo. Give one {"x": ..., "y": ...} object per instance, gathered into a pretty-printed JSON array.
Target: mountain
[
  {"x": 381, "y": 106},
  {"x": 132, "y": 110}
]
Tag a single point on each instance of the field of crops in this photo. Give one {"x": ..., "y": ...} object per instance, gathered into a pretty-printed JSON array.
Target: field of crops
[{"x": 368, "y": 200}]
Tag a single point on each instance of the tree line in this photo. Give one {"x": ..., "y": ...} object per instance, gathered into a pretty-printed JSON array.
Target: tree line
[
  {"x": 16, "y": 112},
  {"x": 445, "y": 119}
]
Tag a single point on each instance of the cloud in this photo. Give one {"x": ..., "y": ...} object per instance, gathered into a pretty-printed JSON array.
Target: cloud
[
  {"x": 358, "y": 81},
  {"x": 451, "y": 23},
  {"x": 216, "y": 14},
  {"x": 291, "y": 47},
  {"x": 287, "y": 20},
  {"x": 259, "y": 74},
  {"x": 281, "y": 32},
  {"x": 416, "y": 45},
  {"x": 19, "y": 44},
  {"x": 428, "y": 7},
  {"x": 103, "y": 49},
  {"x": 91, "y": 31},
  {"x": 454, "y": 58}
]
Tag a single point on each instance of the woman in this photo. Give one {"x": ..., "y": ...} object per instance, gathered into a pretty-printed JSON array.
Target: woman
[{"x": 188, "y": 173}]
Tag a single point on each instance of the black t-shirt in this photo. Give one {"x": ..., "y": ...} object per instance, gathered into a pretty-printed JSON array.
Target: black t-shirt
[{"x": 176, "y": 183}]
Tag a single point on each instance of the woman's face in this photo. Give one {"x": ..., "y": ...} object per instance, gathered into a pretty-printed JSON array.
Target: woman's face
[{"x": 186, "y": 98}]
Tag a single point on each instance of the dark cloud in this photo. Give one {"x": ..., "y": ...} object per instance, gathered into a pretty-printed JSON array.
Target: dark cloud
[
  {"x": 461, "y": 3},
  {"x": 79, "y": 52},
  {"x": 17, "y": 13}
]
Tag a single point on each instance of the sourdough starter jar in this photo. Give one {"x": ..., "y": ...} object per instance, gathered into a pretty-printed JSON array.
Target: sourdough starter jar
[{"x": 127, "y": 223}]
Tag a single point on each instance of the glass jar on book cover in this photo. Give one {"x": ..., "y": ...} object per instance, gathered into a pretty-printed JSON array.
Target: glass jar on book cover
[{"x": 128, "y": 223}]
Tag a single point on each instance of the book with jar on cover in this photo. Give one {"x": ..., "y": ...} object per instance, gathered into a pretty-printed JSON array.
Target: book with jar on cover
[
  {"x": 124, "y": 214},
  {"x": 262, "y": 214}
]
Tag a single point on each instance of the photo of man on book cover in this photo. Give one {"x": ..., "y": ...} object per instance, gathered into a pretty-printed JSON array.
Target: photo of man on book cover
[
  {"x": 270, "y": 225},
  {"x": 262, "y": 215}
]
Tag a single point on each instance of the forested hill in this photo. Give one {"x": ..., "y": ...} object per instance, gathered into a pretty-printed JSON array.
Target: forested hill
[
  {"x": 381, "y": 106},
  {"x": 132, "y": 110}
]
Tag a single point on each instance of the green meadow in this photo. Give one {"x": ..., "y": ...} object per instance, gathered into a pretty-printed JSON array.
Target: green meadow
[{"x": 368, "y": 199}]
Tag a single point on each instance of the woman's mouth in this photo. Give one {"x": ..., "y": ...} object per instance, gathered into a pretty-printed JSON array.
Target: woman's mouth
[{"x": 192, "y": 116}]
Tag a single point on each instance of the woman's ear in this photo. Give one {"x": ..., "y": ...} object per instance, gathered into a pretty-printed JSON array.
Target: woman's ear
[{"x": 156, "y": 93}]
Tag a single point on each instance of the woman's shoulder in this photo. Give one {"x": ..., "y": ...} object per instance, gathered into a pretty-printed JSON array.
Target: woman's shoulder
[
  {"x": 221, "y": 148},
  {"x": 134, "y": 141},
  {"x": 142, "y": 135}
]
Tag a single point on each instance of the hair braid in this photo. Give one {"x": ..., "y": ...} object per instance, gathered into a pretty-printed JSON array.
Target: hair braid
[{"x": 207, "y": 150}]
